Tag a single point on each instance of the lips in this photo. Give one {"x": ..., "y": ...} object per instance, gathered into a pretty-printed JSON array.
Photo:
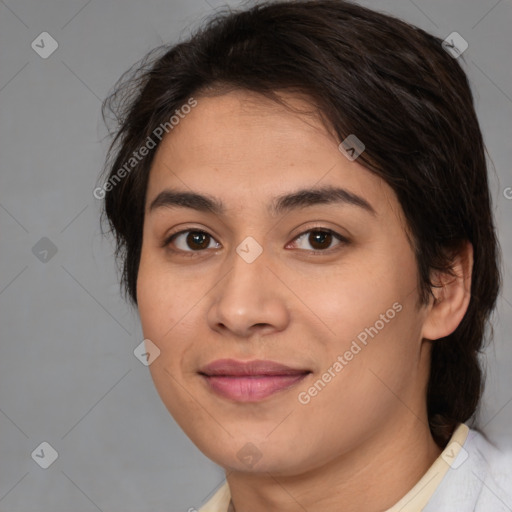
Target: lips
[
  {"x": 250, "y": 381},
  {"x": 257, "y": 367}
]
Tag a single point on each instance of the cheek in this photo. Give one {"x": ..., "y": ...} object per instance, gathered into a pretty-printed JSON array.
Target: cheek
[
  {"x": 159, "y": 300},
  {"x": 373, "y": 361},
  {"x": 370, "y": 308},
  {"x": 354, "y": 296},
  {"x": 168, "y": 306},
  {"x": 148, "y": 297},
  {"x": 162, "y": 310}
]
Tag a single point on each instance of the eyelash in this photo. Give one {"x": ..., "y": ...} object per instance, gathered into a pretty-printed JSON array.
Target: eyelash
[{"x": 314, "y": 229}]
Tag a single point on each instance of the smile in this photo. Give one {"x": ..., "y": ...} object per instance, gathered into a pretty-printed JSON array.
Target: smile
[{"x": 250, "y": 381}]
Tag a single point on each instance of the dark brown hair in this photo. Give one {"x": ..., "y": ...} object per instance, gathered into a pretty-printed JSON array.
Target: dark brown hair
[{"x": 392, "y": 85}]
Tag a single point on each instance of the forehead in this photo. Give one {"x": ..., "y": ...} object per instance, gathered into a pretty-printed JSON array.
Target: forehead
[
  {"x": 232, "y": 127},
  {"x": 246, "y": 149}
]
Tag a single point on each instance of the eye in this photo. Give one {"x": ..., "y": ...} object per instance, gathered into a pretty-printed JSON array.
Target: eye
[
  {"x": 196, "y": 240},
  {"x": 320, "y": 239}
]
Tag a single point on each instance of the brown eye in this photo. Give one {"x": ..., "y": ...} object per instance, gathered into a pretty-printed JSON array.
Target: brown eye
[
  {"x": 197, "y": 240},
  {"x": 320, "y": 239},
  {"x": 191, "y": 240}
]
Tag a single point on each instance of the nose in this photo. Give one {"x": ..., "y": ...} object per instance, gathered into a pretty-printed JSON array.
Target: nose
[{"x": 249, "y": 300}]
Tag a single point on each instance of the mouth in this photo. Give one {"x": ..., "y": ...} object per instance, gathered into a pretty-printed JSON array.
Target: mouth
[{"x": 250, "y": 381}]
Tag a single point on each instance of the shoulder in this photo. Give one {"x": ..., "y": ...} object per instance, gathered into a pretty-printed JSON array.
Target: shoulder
[
  {"x": 479, "y": 479},
  {"x": 494, "y": 471}
]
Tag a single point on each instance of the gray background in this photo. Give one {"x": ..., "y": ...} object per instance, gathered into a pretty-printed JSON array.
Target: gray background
[{"x": 68, "y": 373}]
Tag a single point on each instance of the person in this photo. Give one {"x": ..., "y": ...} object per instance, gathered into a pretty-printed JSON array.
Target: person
[{"x": 300, "y": 203}]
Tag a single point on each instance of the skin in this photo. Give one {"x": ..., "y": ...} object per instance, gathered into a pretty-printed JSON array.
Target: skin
[{"x": 363, "y": 441}]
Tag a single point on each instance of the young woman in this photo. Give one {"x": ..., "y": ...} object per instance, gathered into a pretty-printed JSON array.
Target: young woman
[{"x": 300, "y": 202}]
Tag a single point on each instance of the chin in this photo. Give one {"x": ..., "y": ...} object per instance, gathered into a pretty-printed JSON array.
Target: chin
[{"x": 245, "y": 456}]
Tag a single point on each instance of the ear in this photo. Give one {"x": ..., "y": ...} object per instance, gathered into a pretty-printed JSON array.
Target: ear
[{"x": 451, "y": 297}]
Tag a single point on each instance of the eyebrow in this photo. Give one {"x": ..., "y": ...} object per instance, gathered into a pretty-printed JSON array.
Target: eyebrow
[{"x": 303, "y": 198}]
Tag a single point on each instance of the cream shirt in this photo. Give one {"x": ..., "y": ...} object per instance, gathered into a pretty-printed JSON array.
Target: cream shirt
[{"x": 470, "y": 475}]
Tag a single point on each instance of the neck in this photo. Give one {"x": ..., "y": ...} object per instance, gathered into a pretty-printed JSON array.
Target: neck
[{"x": 371, "y": 477}]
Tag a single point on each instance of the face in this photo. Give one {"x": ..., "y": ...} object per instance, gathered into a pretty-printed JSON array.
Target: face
[{"x": 317, "y": 292}]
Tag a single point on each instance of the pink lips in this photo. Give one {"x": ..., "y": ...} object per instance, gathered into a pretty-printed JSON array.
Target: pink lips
[{"x": 250, "y": 381}]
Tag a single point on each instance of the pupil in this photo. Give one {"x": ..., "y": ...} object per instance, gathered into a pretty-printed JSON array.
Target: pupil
[
  {"x": 319, "y": 238},
  {"x": 194, "y": 238}
]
